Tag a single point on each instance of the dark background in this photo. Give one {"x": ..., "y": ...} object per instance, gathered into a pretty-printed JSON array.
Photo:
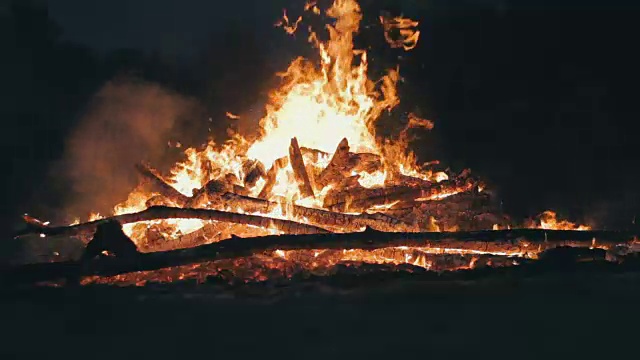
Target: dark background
[{"x": 537, "y": 97}]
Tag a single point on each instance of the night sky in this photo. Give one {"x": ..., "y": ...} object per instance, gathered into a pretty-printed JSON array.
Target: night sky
[
  {"x": 172, "y": 27},
  {"x": 538, "y": 97}
]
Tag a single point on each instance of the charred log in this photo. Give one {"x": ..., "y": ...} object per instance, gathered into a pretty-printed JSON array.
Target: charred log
[
  {"x": 110, "y": 238},
  {"x": 517, "y": 241},
  {"x": 254, "y": 170}
]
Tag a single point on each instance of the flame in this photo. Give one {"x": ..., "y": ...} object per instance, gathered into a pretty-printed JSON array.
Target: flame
[
  {"x": 319, "y": 104},
  {"x": 549, "y": 220},
  {"x": 287, "y": 25},
  {"x": 407, "y": 36}
]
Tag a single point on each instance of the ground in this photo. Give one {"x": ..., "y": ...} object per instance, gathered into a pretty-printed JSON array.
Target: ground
[{"x": 560, "y": 315}]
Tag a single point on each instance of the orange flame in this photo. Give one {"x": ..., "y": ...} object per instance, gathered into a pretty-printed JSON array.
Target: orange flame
[
  {"x": 319, "y": 104},
  {"x": 407, "y": 36}
]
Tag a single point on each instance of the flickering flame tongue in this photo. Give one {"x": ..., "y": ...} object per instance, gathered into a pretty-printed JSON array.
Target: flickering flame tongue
[{"x": 321, "y": 105}]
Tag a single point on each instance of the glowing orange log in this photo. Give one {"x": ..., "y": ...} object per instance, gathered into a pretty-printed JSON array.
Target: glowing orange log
[
  {"x": 334, "y": 172},
  {"x": 514, "y": 242},
  {"x": 361, "y": 199},
  {"x": 320, "y": 217},
  {"x": 164, "y": 212},
  {"x": 265, "y": 193},
  {"x": 359, "y": 161},
  {"x": 299, "y": 170}
]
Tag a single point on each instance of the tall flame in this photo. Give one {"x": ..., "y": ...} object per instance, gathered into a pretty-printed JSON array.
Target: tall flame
[{"x": 319, "y": 104}]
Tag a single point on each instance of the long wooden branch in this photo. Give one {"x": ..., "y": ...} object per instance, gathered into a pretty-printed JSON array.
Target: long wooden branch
[
  {"x": 516, "y": 241},
  {"x": 164, "y": 212}
]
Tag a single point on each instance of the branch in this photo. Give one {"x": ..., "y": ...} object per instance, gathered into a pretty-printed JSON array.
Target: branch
[
  {"x": 164, "y": 212},
  {"x": 500, "y": 241}
]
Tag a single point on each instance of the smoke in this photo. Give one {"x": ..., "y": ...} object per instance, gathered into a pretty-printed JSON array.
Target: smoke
[{"x": 126, "y": 122}]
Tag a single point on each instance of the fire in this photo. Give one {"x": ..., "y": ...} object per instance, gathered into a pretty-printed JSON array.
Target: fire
[
  {"x": 549, "y": 220},
  {"x": 407, "y": 36},
  {"x": 319, "y": 104}
]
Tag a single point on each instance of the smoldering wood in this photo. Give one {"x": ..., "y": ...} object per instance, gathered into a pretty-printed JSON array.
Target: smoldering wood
[
  {"x": 212, "y": 190},
  {"x": 159, "y": 185},
  {"x": 457, "y": 202},
  {"x": 240, "y": 190},
  {"x": 254, "y": 170},
  {"x": 320, "y": 217},
  {"x": 466, "y": 211},
  {"x": 299, "y": 170},
  {"x": 164, "y": 212},
  {"x": 515, "y": 241},
  {"x": 366, "y": 162},
  {"x": 337, "y": 166},
  {"x": 158, "y": 200},
  {"x": 211, "y": 232},
  {"x": 404, "y": 180},
  {"x": 361, "y": 161},
  {"x": 360, "y": 199},
  {"x": 271, "y": 177}
]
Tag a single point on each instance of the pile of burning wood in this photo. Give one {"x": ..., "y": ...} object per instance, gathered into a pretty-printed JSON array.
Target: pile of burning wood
[
  {"x": 271, "y": 207},
  {"x": 393, "y": 224},
  {"x": 403, "y": 204}
]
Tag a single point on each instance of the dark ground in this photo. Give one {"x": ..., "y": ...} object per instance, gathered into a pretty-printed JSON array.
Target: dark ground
[{"x": 572, "y": 315}]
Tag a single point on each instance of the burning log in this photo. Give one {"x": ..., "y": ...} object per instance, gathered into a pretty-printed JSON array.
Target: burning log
[
  {"x": 471, "y": 210},
  {"x": 159, "y": 185},
  {"x": 515, "y": 242},
  {"x": 404, "y": 180},
  {"x": 163, "y": 212},
  {"x": 333, "y": 173},
  {"x": 360, "y": 199},
  {"x": 271, "y": 177},
  {"x": 211, "y": 190},
  {"x": 209, "y": 233},
  {"x": 254, "y": 170},
  {"x": 320, "y": 217},
  {"x": 299, "y": 170},
  {"x": 457, "y": 202},
  {"x": 361, "y": 161}
]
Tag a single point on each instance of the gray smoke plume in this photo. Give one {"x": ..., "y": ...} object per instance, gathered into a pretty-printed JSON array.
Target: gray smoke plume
[{"x": 126, "y": 122}]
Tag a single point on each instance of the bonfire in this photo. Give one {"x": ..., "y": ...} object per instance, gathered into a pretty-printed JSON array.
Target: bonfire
[{"x": 316, "y": 188}]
